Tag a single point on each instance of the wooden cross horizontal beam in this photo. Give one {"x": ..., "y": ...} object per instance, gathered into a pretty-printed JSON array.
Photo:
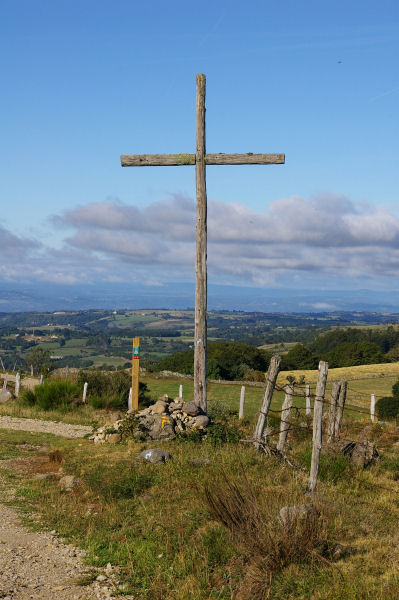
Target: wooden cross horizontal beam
[{"x": 176, "y": 160}]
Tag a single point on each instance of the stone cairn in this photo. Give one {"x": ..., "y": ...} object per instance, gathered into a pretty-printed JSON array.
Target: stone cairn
[{"x": 160, "y": 421}]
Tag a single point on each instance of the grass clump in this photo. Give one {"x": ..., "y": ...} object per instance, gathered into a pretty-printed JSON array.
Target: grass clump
[
  {"x": 257, "y": 532},
  {"x": 125, "y": 481},
  {"x": 52, "y": 395}
]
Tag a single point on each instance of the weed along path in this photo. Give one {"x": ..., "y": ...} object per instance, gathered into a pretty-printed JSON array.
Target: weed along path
[{"x": 62, "y": 429}]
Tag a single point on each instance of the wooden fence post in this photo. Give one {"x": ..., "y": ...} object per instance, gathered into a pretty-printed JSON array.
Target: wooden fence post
[
  {"x": 271, "y": 379},
  {"x": 317, "y": 424},
  {"x": 17, "y": 384},
  {"x": 84, "y": 392},
  {"x": 340, "y": 409},
  {"x": 41, "y": 379},
  {"x": 307, "y": 394},
  {"x": 372, "y": 407},
  {"x": 285, "y": 417},
  {"x": 130, "y": 401},
  {"x": 180, "y": 391},
  {"x": 332, "y": 413},
  {"x": 242, "y": 402}
]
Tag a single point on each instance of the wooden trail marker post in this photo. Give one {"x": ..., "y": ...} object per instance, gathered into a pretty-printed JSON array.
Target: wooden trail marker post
[
  {"x": 200, "y": 159},
  {"x": 135, "y": 374}
]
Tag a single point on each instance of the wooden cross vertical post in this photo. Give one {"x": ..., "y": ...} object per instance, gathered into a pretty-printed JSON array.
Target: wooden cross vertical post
[
  {"x": 200, "y": 159},
  {"x": 135, "y": 373}
]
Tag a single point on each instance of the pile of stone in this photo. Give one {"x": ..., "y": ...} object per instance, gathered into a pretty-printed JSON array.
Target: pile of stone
[{"x": 160, "y": 421}]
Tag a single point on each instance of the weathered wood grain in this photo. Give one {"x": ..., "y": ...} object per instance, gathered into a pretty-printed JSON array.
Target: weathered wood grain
[
  {"x": 200, "y": 328},
  {"x": 285, "y": 417},
  {"x": 332, "y": 413},
  {"x": 179, "y": 160},
  {"x": 272, "y": 375},
  {"x": 340, "y": 408},
  {"x": 245, "y": 159},
  {"x": 317, "y": 425}
]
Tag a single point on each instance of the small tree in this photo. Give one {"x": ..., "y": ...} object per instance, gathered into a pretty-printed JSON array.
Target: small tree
[{"x": 39, "y": 359}]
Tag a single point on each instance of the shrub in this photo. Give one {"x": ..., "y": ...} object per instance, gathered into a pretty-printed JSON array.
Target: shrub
[
  {"x": 110, "y": 389},
  {"x": 53, "y": 395},
  {"x": 387, "y": 407}
]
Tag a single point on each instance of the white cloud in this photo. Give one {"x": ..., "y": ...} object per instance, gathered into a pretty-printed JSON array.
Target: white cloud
[{"x": 325, "y": 236}]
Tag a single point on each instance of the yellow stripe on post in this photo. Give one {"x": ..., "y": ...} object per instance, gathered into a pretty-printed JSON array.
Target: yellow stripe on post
[{"x": 135, "y": 373}]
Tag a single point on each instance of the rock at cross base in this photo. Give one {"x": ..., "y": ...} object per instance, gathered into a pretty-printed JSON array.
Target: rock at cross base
[
  {"x": 154, "y": 455},
  {"x": 199, "y": 422},
  {"x": 159, "y": 407},
  {"x": 290, "y": 514},
  {"x": 156, "y": 427},
  {"x": 191, "y": 409},
  {"x": 113, "y": 438}
]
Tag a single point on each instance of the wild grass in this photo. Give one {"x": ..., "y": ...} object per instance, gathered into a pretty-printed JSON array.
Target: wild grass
[{"x": 154, "y": 522}]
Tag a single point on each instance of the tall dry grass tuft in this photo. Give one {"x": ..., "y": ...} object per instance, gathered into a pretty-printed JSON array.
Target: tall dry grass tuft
[{"x": 258, "y": 533}]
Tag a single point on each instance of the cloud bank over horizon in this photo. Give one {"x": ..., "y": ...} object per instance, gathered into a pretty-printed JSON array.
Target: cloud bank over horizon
[{"x": 325, "y": 239}]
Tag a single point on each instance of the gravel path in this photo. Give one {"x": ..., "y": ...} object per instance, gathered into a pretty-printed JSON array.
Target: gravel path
[
  {"x": 38, "y": 565},
  {"x": 62, "y": 429}
]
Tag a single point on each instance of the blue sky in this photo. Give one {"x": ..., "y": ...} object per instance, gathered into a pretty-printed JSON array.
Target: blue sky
[{"x": 84, "y": 81}]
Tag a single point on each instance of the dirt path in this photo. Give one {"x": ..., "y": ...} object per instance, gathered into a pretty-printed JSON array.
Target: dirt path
[
  {"x": 38, "y": 565},
  {"x": 62, "y": 429}
]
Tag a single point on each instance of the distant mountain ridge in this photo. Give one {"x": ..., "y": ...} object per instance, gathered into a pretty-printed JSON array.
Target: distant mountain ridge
[{"x": 46, "y": 297}]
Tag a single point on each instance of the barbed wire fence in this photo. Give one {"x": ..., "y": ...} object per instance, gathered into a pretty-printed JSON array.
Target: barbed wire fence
[{"x": 338, "y": 403}]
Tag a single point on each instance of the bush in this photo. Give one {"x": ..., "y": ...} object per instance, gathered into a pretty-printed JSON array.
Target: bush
[
  {"x": 110, "y": 389},
  {"x": 387, "y": 407},
  {"x": 226, "y": 360},
  {"x": 53, "y": 395}
]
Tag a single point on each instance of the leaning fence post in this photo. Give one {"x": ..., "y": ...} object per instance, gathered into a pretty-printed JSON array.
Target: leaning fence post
[
  {"x": 307, "y": 400},
  {"x": 17, "y": 384},
  {"x": 317, "y": 424},
  {"x": 332, "y": 413},
  {"x": 242, "y": 401},
  {"x": 84, "y": 392},
  {"x": 285, "y": 417},
  {"x": 130, "y": 401},
  {"x": 180, "y": 391},
  {"x": 372, "y": 407},
  {"x": 271, "y": 379},
  {"x": 340, "y": 409}
]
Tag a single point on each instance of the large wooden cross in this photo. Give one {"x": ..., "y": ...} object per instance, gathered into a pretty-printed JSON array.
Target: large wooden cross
[{"x": 200, "y": 159}]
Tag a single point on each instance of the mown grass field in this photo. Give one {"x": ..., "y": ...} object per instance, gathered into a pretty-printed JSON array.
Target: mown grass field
[{"x": 359, "y": 391}]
